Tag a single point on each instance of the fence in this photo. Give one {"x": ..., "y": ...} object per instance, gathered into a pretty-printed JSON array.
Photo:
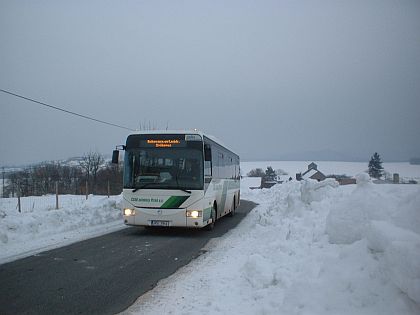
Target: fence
[
  {"x": 34, "y": 203},
  {"x": 46, "y": 202}
]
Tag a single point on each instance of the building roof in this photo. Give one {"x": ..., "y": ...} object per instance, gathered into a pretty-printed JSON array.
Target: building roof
[{"x": 309, "y": 174}]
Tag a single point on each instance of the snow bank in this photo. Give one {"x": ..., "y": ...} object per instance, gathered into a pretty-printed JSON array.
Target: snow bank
[
  {"x": 347, "y": 221},
  {"x": 387, "y": 216},
  {"x": 312, "y": 190},
  {"x": 22, "y": 234},
  {"x": 288, "y": 257},
  {"x": 402, "y": 263},
  {"x": 307, "y": 248},
  {"x": 401, "y": 250}
]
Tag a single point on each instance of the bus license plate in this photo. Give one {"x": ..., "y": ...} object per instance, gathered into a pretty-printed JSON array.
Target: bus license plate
[{"x": 159, "y": 223}]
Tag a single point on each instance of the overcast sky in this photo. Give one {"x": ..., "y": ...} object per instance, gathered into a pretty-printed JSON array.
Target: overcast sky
[{"x": 272, "y": 79}]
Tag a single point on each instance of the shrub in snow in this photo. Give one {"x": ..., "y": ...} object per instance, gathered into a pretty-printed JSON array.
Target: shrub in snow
[
  {"x": 363, "y": 179},
  {"x": 258, "y": 172},
  {"x": 281, "y": 172}
]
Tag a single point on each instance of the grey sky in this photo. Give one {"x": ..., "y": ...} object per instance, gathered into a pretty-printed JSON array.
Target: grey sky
[{"x": 273, "y": 79}]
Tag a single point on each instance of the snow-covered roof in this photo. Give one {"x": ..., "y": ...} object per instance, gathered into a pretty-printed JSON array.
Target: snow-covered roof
[{"x": 309, "y": 174}]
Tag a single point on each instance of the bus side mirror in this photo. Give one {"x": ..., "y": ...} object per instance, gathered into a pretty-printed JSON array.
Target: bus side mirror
[
  {"x": 115, "y": 156},
  {"x": 116, "y": 153}
]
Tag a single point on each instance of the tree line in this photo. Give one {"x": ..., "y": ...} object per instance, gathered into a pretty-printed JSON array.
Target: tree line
[{"x": 90, "y": 172}]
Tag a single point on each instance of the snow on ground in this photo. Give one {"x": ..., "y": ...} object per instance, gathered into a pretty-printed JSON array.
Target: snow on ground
[
  {"x": 308, "y": 248},
  {"x": 40, "y": 227}
]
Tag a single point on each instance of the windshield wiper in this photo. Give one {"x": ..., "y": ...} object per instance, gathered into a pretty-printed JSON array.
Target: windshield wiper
[
  {"x": 142, "y": 186},
  {"x": 182, "y": 189},
  {"x": 177, "y": 184}
]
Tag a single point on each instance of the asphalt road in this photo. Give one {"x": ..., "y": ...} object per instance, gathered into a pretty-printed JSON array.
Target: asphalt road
[{"x": 103, "y": 275}]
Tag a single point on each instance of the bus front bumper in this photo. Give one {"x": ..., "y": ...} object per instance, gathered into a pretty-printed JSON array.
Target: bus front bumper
[{"x": 162, "y": 218}]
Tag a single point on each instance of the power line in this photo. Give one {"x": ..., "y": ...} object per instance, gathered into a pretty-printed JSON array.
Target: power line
[{"x": 66, "y": 111}]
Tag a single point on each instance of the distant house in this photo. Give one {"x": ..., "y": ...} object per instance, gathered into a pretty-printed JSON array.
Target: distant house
[
  {"x": 267, "y": 182},
  {"x": 312, "y": 172},
  {"x": 346, "y": 181}
]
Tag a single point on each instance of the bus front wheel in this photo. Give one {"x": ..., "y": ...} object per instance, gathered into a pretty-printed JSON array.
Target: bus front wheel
[{"x": 210, "y": 226}]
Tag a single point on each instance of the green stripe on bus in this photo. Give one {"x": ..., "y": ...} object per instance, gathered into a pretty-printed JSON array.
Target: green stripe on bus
[{"x": 174, "y": 202}]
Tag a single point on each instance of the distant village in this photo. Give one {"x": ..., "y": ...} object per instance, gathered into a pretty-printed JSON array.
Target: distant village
[{"x": 269, "y": 177}]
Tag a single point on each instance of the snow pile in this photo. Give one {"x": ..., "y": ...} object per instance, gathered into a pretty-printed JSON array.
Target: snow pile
[
  {"x": 42, "y": 228},
  {"x": 388, "y": 219},
  {"x": 348, "y": 220},
  {"x": 308, "y": 248},
  {"x": 312, "y": 190}
]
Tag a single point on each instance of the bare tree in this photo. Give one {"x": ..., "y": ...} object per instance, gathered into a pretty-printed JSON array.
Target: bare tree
[
  {"x": 40, "y": 179},
  {"x": 90, "y": 163},
  {"x": 256, "y": 172},
  {"x": 112, "y": 174}
]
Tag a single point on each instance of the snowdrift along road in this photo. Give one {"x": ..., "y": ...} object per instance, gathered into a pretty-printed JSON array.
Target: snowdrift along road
[{"x": 308, "y": 248}]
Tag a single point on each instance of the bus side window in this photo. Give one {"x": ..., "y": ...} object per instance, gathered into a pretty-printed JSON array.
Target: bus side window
[{"x": 207, "y": 160}]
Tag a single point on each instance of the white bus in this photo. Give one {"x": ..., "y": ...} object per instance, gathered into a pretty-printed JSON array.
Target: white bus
[{"x": 178, "y": 179}]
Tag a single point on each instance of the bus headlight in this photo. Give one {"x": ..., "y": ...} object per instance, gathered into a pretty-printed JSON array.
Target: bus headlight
[
  {"x": 194, "y": 213},
  {"x": 129, "y": 212}
]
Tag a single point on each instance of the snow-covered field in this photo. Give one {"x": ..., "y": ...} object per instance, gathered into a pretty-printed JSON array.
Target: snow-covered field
[
  {"x": 404, "y": 169},
  {"x": 41, "y": 227},
  {"x": 307, "y": 248}
]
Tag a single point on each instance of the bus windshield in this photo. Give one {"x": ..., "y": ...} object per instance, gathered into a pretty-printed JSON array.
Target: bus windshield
[{"x": 163, "y": 168}]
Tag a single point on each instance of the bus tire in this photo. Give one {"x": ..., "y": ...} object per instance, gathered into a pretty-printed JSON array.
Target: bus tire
[
  {"x": 233, "y": 209},
  {"x": 210, "y": 226}
]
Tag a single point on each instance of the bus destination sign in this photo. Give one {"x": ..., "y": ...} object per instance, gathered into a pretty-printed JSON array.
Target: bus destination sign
[{"x": 163, "y": 143}]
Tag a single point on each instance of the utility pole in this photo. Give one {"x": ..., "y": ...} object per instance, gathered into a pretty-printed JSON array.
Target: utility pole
[
  {"x": 2, "y": 187},
  {"x": 56, "y": 195}
]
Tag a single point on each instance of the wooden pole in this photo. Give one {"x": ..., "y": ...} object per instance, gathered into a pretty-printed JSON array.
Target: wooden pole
[
  {"x": 87, "y": 190},
  {"x": 56, "y": 195},
  {"x": 109, "y": 189},
  {"x": 2, "y": 193},
  {"x": 18, "y": 195}
]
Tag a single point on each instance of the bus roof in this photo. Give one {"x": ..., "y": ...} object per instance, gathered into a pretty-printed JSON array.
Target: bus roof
[{"x": 186, "y": 131}]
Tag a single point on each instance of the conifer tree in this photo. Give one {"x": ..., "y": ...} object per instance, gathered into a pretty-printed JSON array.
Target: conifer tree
[
  {"x": 375, "y": 166},
  {"x": 270, "y": 172}
]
